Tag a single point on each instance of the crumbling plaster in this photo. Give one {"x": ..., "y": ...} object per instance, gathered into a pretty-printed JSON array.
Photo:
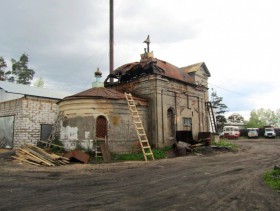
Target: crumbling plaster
[
  {"x": 163, "y": 93},
  {"x": 79, "y": 123}
]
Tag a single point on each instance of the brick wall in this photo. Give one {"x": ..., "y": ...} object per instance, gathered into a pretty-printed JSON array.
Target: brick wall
[{"x": 29, "y": 114}]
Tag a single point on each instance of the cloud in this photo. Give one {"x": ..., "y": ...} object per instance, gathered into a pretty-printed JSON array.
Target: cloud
[
  {"x": 60, "y": 37},
  {"x": 68, "y": 39}
]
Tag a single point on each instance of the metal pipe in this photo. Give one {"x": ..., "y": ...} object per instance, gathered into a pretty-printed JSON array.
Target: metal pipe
[
  {"x": 162, "y": 118},
  {"x": 111, "y": 38},
  {"x": 156, "y": 111},
  {"x": 198, "y": 108}
]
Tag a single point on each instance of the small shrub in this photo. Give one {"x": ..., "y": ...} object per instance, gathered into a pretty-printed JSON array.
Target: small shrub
[
  {"x": 224, "y": 143},
  {"x": 161, "y": 153},
  {"x": 56, "y": 149},
  {"x": 272, "y": 179}
]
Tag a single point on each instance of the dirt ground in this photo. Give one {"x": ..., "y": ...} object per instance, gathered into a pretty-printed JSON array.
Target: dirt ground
[{"x": 214, "y": 181}]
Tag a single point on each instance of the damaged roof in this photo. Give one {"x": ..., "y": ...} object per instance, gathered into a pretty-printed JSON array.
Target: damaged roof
[
  {"x": 99, "y": 93},
  {"x": 135, "y": 70},
  {"x": 196, "y": 67}
]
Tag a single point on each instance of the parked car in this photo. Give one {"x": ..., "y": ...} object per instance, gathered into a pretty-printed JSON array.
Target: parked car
[
  {"x": 253, "y": 132},
  {"x": 269, "y": 132}
]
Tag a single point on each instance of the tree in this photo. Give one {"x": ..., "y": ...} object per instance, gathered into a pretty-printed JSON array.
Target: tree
[
  {"x": 236, "y": 118},
  {"x": 3, "y": 66},
  {"x": 220, "y": 109},
  {"x": 263, "y": 117},
  {"x": 39, "y": 82},
  {"x": 20, "y": 70}
]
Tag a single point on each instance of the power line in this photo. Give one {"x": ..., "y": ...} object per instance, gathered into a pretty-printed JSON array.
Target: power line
[{"x": 228, "y": 90}]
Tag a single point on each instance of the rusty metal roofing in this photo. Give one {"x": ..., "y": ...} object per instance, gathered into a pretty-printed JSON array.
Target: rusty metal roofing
[
  {"x": 97, "y": 93},
  {"x": 131, "y": 71},
  {"x": 196, "y": 67}
]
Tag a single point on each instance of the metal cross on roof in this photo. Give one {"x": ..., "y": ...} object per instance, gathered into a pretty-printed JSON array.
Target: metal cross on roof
[{"x": 147, "y": 41}]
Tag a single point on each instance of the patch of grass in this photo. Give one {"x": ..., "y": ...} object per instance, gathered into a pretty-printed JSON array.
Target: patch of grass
[
  {"x": 158, "y": 154},
  {"x": 272, "y": 179},
  {"x": 128, "y": 156},
  {"x": 225, "y": 143}
]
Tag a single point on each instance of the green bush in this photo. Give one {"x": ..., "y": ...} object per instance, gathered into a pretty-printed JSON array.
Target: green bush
[
  {"x": 272, "y": 179},
  {"x": 225, "y": 143}
]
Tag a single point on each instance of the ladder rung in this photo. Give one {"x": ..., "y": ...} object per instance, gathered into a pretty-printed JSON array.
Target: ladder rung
[
  {"x": 144, "y": 141},
  {"x": 150, "y": 153}
]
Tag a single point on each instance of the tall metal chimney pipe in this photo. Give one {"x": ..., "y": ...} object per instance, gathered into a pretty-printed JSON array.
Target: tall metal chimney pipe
[{"x": 111, "y": 38}]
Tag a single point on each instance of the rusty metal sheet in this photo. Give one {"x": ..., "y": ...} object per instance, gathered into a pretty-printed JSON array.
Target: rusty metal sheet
[{"x": 78, "y": 155}]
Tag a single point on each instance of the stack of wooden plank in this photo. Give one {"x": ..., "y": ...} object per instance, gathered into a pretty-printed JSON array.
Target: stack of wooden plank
[{"x": 34, "y": 155}]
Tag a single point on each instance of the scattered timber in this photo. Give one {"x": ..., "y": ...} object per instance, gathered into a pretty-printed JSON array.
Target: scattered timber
[{"x": 34, "y": 155}]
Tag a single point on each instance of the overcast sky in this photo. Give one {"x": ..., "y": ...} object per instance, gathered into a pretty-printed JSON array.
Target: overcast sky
[{"x": 67, "y": 40}]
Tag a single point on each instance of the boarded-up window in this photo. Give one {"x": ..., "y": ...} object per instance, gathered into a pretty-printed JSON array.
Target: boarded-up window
[{"x": 6, "y": 131}]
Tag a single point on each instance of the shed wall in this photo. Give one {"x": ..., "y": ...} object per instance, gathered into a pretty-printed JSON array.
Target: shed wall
[{"x": 29, "y": 114}]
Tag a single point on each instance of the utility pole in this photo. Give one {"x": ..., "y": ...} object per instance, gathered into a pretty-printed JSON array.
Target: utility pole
[{"x": 111, "y": 38}]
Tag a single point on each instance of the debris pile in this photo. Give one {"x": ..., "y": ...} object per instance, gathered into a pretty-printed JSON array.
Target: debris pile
[
  {"x": 277, "y": 167},
  {"x": 34, "y": 155}
]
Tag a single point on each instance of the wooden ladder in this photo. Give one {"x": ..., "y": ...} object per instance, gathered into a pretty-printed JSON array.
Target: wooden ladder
[
  {"x": 211, "y": 116},
  {"x": 145, "y": 146},
  {"x": 97, "y": 146},
  {"x": 55, "y": 126}
]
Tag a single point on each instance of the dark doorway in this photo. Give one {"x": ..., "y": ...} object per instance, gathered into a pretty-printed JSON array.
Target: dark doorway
[
  {"x": 170, "y": 122},
  {"x": 101, "y": 127},
  {"x": 46, "y": 130},
  {"x": 6, "y": 131}
]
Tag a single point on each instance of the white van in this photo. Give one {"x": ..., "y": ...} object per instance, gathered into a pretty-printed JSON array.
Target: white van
[
  {"x": 269, "y": 132},
  {"x": 231, "y": 132},
  {"x": 253, "y": 132}
]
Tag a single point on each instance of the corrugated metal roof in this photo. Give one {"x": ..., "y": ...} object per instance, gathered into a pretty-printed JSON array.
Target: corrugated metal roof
[{"x": 31, "y": 90}]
